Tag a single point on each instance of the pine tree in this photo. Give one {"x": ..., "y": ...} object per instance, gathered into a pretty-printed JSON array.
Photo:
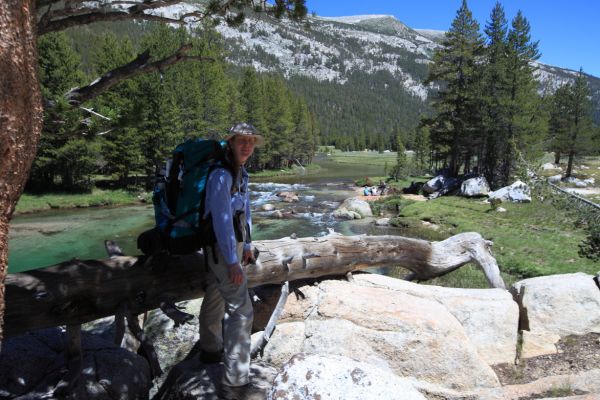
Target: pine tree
[
  {"x": 67, "y": 152},
  {"x": 158, "y": 101},
  {"x": 278, "y": 116},
  {"x": 252, "y": 101},
  {"x": 121, "y": 144},
  {"x": 495, "y": 89},
  {"x": 580, "y": 127},
  {"x": 421, "y": 148},
  {"x": 399, "y": 170},
  {"x": 559, "y": 121},
  {"x": 454, "y": 66},
  {"x": 525, "y": 119},
  {"x": 302, "y": 144}
]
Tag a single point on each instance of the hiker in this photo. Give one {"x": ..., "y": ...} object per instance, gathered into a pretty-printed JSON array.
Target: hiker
[
  {"x": 382, "y": 187},
  {"x": 226, "y": 313}
]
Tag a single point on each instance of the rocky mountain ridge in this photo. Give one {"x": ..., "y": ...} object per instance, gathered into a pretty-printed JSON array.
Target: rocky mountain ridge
[{"x": 333, "y": 50}]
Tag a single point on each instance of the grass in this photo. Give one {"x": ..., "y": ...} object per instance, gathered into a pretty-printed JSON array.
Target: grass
[
  {"x": 530, "y": 239},
  {"x": 29, "y": 203},
  {"x": 364, "y": 157}
]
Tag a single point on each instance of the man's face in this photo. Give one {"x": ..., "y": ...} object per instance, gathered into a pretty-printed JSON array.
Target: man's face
[{"x": 243, "y": 147}]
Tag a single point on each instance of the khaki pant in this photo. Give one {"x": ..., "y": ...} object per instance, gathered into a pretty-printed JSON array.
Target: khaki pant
[{"x": 226, "y": 320}]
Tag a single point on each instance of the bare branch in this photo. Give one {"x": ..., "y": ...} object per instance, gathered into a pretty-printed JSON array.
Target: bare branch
[
  {"x": 64, "y": 23},
  {"x": 140, "y": 65},
  {"x": 67, "y": 17},
  {"x": 91, "y": 111},
  {"x": 259, "y": 346}
]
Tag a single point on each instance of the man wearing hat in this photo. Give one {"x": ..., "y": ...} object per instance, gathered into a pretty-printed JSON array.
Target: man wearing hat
[{"x": 226, "y": 313}]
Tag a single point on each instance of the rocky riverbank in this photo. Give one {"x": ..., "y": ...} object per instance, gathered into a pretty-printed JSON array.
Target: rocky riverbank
[{"x": 353, "y": 339}]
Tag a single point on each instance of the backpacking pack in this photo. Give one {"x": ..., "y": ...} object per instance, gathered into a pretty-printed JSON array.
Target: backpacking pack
[{"x": 179, "y": 197}]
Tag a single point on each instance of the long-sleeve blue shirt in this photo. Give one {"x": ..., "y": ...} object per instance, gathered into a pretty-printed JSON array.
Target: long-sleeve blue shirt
[{"x": 222, "y": 205}]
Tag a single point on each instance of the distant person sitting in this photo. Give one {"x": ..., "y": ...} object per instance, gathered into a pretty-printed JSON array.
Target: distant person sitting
[{"x": 367, "y": 191}]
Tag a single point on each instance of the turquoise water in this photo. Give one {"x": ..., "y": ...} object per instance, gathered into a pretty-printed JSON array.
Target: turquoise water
[
  {"x": 42, "y": 239},
  {"x": 47, "y": 238}
]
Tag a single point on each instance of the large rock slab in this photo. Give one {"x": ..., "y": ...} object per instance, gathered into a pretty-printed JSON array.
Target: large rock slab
[
  {"x": 557, "y": 306},
  {"x": 308, "y": 377},
  {"x": 490, "y": 317},
  {"x": 406, "y": 334},
  {"x": 475, "y": 187},
  {"x": 518, "y": 192},
  {"x": 32, "y": 365}
]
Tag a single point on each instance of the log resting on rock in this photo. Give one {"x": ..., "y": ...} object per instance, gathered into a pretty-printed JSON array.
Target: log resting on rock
[{"x": 77, "y": 291}]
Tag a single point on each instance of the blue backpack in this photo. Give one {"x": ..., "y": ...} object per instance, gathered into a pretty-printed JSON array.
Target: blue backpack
[{"x": 179, "y": 199}]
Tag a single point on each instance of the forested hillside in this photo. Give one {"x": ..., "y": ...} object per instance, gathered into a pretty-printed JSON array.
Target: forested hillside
[{"x": 132, "y": 128}]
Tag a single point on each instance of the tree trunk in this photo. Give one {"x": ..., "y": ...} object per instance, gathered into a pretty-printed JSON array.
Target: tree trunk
[
  {"x": 76, "y": 291},
  {"x": 570, "y": 164},
  {"x": 557, "y": 157},
  {"x": 20, "y": 113}
]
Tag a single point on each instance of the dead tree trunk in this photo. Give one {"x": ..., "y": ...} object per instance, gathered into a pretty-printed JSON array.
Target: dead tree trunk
[
  {"x": 78, "y": 291},
  {"x": 20, "y": 113}
]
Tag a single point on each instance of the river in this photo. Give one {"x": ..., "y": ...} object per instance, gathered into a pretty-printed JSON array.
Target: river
[{"x": 46, "y": 238}]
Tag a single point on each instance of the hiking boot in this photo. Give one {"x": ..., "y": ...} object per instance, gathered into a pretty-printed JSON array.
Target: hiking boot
[
  {"x": 211, "y": 357},
  {"x": 244, "y": 392}
]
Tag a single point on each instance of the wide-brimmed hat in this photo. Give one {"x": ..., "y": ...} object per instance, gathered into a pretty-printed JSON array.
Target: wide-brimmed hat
[{"x": 245, "y": 129}]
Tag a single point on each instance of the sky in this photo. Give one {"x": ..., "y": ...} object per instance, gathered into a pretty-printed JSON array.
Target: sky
[{"x": 568, "y": 30}]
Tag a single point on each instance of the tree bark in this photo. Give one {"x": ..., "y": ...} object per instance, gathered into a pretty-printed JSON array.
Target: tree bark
[
  {"x": 20, "y": 113},
  {"x": 76, "y": 291}
]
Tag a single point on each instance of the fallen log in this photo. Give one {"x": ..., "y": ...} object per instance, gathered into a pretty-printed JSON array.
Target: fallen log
[{"x": 76, "y": 291}]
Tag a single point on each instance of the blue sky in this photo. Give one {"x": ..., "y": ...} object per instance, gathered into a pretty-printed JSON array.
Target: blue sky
[{"x": 568, "y": 30}]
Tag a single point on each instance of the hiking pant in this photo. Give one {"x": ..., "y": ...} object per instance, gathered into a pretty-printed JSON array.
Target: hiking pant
[{"x": 226, "y": 320}]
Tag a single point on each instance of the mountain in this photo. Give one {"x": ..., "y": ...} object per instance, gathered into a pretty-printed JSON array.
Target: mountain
[
  {"x": 378, "y": 51},
  {"x": 358, "y": 73}
]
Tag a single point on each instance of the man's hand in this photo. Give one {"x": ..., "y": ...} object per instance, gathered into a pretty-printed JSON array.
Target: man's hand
[
  {"x": 236, "y": 274},
  {"x": 248, "y": 257}
]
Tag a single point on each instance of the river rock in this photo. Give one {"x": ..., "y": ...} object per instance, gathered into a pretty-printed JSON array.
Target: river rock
[
  {"x": 548, "y": 166},
  {"x": 288, "y": 197},
  {"x": 277, "y": 214},
  {"x": 577, "y": 182},
  {"x": 311, "y": 376},
  {"x": 518, "y": 192},
  {"x": 382, "y": 222},
  {"x": 555, "y": 178},
  {"x": 440, "y": 185},
  {"x": 475, "y": 187},
  {"x": 407, "y": 334},
  {"x": 267, "y": 207},
  {"x": 343, "y": 213},
  {"x": 557, "y": 306},
  {"x": 31, "y": 365},
  {"x": 360, "y": 207}
]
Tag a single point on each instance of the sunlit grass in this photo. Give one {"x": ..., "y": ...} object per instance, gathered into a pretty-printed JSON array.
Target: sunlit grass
[
  {"x": 31, "y": 203},
  {"x": 530, "y": 239}
]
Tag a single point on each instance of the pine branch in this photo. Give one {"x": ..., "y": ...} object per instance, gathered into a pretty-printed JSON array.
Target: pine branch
[{"x": 140, "y": 65}]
